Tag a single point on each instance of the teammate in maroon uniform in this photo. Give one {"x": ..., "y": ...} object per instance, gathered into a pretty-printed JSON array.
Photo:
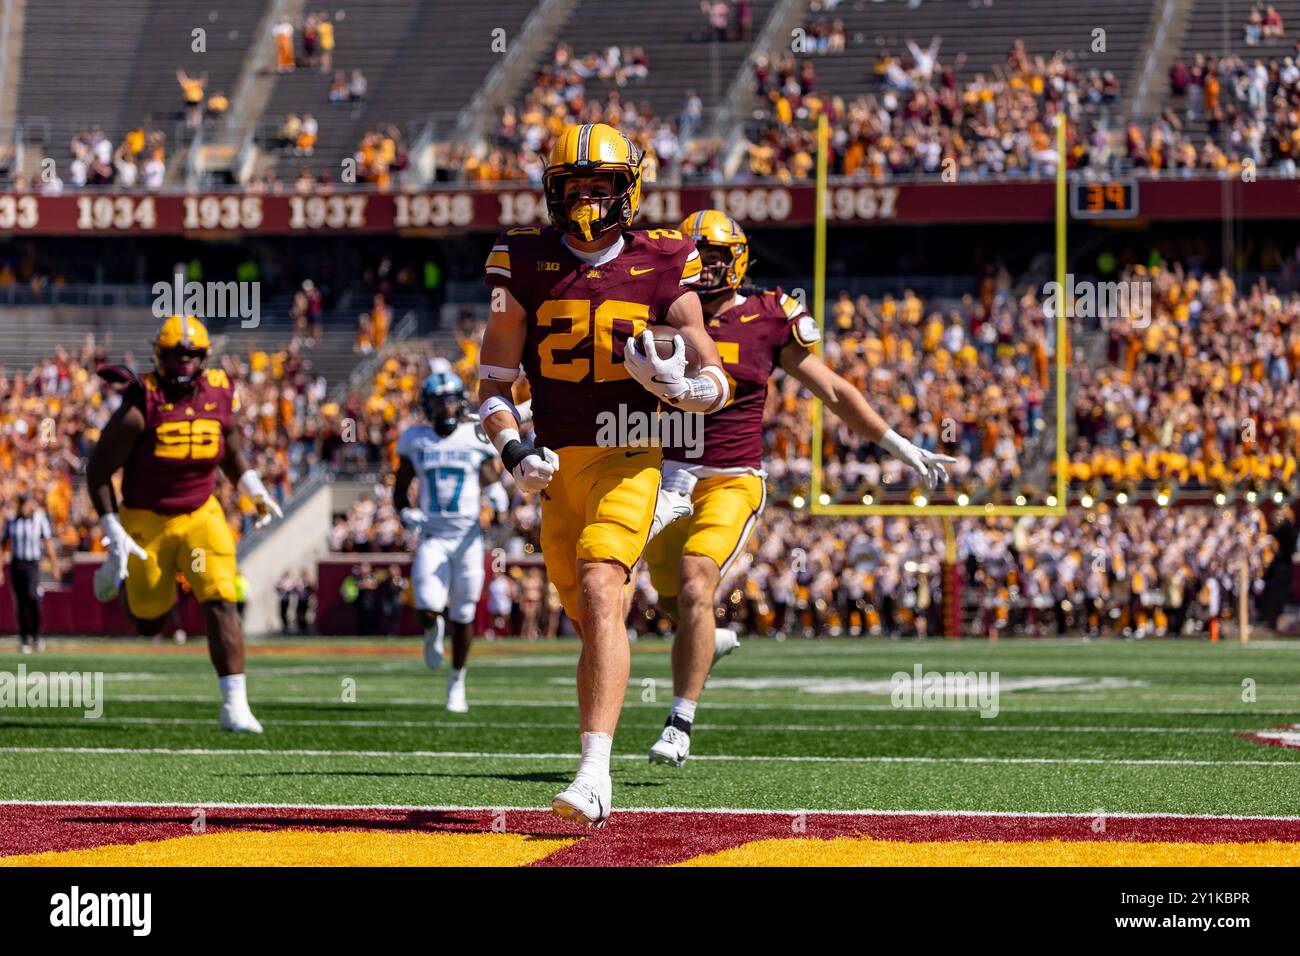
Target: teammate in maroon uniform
[
  {"x": 567, "y": 302},
  {"x": 724, "y": 479},
  {"x": 172, "y": 431}
]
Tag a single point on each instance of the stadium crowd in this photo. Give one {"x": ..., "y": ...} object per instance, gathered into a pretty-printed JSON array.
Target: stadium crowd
[
  {"x": 1205, "y": 391},
  {"x": 523, "y": 135},
  {"x": 918, "y": 118},
  {"x": 51, "y": 417}
]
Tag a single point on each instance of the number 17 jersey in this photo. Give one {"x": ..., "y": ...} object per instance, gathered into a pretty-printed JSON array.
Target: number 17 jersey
[{"x": 447, "y": 469}]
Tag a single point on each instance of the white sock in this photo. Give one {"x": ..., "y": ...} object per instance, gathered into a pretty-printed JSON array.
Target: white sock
[
  {"x": 595, "y": 755},
  {"x": 683, "y": 708},
  {"x": 233, "y": 691},
  {"x": 455, "y": 676}
]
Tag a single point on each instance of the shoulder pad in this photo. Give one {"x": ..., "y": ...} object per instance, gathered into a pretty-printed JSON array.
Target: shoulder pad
[
  {"x": 119, "y": 374},
  {"x": 218, "y": 378}
]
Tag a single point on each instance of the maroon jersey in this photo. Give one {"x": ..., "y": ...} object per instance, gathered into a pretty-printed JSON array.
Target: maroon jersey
[
  {"x": 173, "y": 467},
  {"x": 580, "y": 318},
  {"x": 750, "y": 337}
]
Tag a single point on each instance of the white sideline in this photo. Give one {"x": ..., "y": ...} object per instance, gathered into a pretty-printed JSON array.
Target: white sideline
[
  {"x": 719, "y": 758},
  {"x": 735, "y": 811}
]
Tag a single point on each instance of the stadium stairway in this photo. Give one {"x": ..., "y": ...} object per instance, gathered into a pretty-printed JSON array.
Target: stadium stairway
[
  {"x": 421, "y": 61},
  {"x": 114, "y": 65},
  {"x": 294, "y": 543}
]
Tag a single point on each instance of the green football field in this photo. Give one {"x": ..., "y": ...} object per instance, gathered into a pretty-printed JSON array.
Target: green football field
[{"x": 1137, "y": 727}]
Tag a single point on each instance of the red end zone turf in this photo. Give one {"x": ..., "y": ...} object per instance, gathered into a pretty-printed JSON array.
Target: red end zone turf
[{"x": 124, "y": 835}]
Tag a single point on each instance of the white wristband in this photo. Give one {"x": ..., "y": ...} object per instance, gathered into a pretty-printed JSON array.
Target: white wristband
[
  {"x": 504, "y": 437},
  {"x": 250, "y": 483},
  {"x": 497, "y": 403},
  {"x": 111, "y": 524},
  {"x": 498, "y": 373},
  {"x": 707, "y": 392}
]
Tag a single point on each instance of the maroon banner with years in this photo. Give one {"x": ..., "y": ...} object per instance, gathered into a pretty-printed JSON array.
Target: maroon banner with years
[{"x": 442, "y": 211}]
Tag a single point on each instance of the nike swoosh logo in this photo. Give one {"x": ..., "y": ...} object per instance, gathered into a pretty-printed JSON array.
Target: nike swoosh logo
[
  {"x": 632, "y": 454},
  {"x": 640, "y": 272},
  {"x": 749, "y": 318}
]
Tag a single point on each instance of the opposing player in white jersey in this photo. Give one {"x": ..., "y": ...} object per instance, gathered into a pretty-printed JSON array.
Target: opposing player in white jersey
[{"x": 453, "y": 464}]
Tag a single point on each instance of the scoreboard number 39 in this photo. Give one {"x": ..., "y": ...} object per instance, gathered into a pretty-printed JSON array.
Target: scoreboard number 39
[{"x": 1117, "y": 199}]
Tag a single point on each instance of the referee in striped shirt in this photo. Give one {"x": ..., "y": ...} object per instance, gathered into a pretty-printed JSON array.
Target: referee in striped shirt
[{"x": 23, "y": 535}]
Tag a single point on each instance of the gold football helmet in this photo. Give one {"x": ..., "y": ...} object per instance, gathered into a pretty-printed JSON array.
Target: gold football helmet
[
  {"x": 591, "y": 150},
  {"x": 712, "y": 227},
  {"x": 180, "y": 349}
]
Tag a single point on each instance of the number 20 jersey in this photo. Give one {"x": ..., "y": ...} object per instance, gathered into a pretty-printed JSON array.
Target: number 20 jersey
[
  {"x": 447, "y": 467},
  {"x": 580, "y": 317}
]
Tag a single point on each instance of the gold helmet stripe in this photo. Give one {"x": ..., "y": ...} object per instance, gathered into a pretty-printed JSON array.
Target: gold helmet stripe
[{"x": 697, "y": 224}]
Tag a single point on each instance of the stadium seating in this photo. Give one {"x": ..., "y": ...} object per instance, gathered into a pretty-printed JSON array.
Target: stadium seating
[
  {"x": 114, "y": 65},
  {"x": 421, "y": 61}
]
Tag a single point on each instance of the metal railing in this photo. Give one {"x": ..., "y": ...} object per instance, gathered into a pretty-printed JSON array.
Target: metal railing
[{"x": 318, "y": 476}]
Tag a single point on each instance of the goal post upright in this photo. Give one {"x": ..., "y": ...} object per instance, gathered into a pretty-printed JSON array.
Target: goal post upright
[{"x": 989, "y": 510}]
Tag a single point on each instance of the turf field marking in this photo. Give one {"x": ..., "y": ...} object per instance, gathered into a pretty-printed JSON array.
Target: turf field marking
[
  {"x": 737, "y": 811},
  {"x": 1247, "y": 710},
  {"x": 764, "y": 728},
  {"x": 719, "y": 758}
]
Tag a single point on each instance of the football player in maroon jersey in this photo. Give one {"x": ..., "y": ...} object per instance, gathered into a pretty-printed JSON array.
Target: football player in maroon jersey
[
  {"x": 725, "y": 479},
  {"x": 169, "y": 436},
  {"x": 566, "y": 301}
]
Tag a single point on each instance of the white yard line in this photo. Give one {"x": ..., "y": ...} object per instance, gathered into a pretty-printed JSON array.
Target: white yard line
[
  {"x": 710, "y": 705},
  {"x": 892, "y": 812},
  {"x": 720, "y": 758},
  {"x": 982, "y": 727}
]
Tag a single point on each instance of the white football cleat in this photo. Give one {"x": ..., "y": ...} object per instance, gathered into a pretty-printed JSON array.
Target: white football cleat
[
  {"x": 672, "y": 748},
  {"x": 433, "y": 650},
  {"x": 110, "y": 575},
  {"x": 239, "y": 720},
  {"x": 724, "y": 642},
  {"x": 585, "y": 802},
  {"x": 456, "y": 702}
]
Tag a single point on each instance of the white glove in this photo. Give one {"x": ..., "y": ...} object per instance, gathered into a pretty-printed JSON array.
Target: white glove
[
  {"x": 663, "y": 377},
  {"x": 413, "y": 519},
  {"x": 926, "y": 463},
  {"x": 670, "y": 506},
  {"x": 116, "y": 538},
  {"x": 497, "y": 498},
  {"x": 533, "y": 472},
  {"x": 250, "y": 484}
]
